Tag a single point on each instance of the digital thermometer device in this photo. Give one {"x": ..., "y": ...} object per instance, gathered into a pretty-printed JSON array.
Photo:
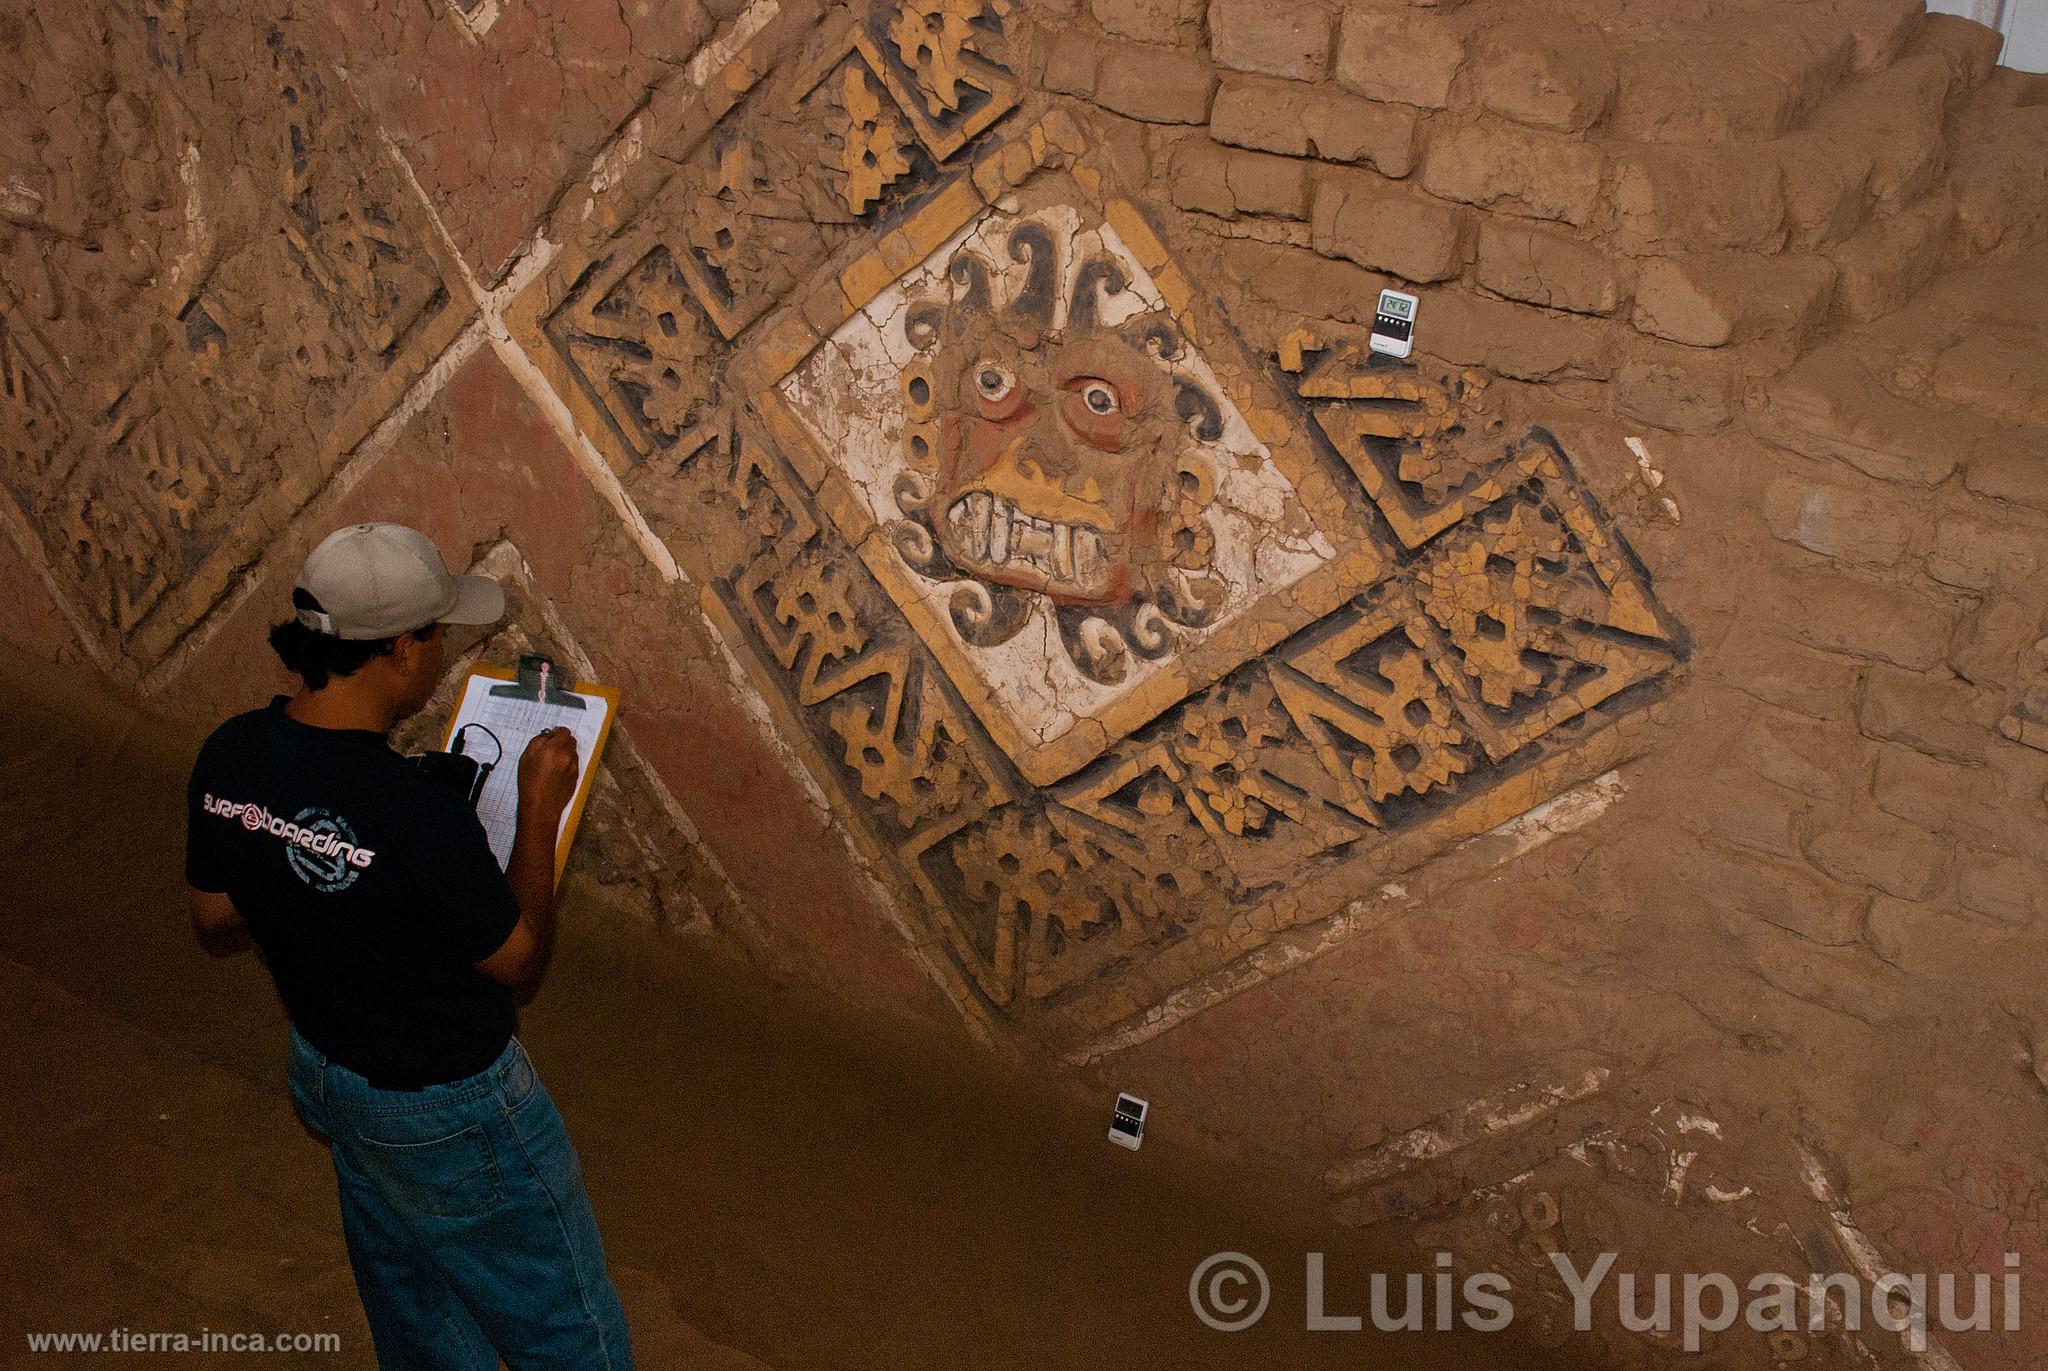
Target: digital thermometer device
[
  {"x": 1393, "y": 323},
  {"x": 1127, "y": 1124}
]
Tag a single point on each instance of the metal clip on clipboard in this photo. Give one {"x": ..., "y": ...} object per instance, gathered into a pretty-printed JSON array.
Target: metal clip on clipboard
[{"x": 538, "y": 678}]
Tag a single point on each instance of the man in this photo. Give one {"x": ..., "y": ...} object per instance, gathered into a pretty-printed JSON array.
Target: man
[{"x": 400, "y": 951}]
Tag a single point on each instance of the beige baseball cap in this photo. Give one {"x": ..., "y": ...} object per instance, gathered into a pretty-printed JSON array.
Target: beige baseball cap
[{"x": 381, "y": 580}]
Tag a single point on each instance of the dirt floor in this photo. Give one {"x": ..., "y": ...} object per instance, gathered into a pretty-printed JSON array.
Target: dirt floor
[{"x": 777, "y": 1183}]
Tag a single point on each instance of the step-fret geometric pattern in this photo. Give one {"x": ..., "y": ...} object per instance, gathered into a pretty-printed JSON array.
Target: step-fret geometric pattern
[
  {"x": 1117, "y": 646},
  {"x": 244, "y": 369}
]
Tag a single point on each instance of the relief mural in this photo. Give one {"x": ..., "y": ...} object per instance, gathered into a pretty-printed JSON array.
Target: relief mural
[
  {"x": 1120, "y": 648},
  {"x": 1056, "y": 488},
  {"x": 243, "y": 368}
]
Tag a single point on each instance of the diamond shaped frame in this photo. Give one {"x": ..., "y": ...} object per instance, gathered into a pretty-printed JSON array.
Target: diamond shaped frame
[{"x": 1359, "y": 559}]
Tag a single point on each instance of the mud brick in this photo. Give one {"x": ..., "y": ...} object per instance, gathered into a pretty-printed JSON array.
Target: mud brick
[
  {"x": 1822, "y": 759},
  {"x": 1919, "y": 788},
  {"x": 1301, "y": 283},
  {"x": 1198, "y": 180},
  {"x": 1886, "y": 260},
  {"x": 1785, "y": 895},
  {"x": 1694, "y": 91},
  {"x": 1897, "y": 118},
  {"x": 2011, "y": 464},
  {"x": 1342, "y": 128},
  {"x": 1683, "y": 389},
  {"x": 1409, "y": 55},
  {"x": 1358, "y": 217},
  {"x": 1977, "y": 556},
  {"x": 1824, "y": 176},
  {"x": 1157, "y": 85},
  {"x": 1288, "y": 38},
  {"x": 1544, "y": 267},
  {"x": 1263, "y": 184},
  {"x": 1548, "y": 74},
  {"x": 1828, "y": 406},
  {"x": 1994, "y": 645},
  {"x": 1787, "y": 675},
  {"x": 1690, "y": 199},
  {"x": 1877, "y": 850},
  {"x": 2001, "y": 885},
  {"x": 1878, "y": 29},
  {"x": 1709, "y": 300},
  {"x": 2026, "y": 723},
  {"x": 1996, "y": 181},
  {"x": 1970, "y": 49},
  {"x": 1935, "y": 712},
  {"x": 1514, "y": 340},
  {"x": 1891, "y": 624},
  {"x": 1072, "y": 61},
  {"x": 1149, "y": 21},
  {"x": 494, "y": 130},
  {"x": 1499, "y": 165},
  {"x": 1227, "y": 183},
  {"x": 1809, "y": 58},
  {"x": 1270, "y": 116},
  {"x": 1872, "y": 527},
  {"x": 1926, "y": 940},
  {"x": 1991, "y": 805},
  {"x": 1998, "y": 370},
  {"x": 1732, "y": 807},
  {"x": 1285, "y": 117}
]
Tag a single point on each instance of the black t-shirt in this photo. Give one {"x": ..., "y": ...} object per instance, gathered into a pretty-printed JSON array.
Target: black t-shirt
[{"x": 370, "y": 888}]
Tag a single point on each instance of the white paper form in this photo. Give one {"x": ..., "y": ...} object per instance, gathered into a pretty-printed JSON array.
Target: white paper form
[{"x": 515, "y": 722}]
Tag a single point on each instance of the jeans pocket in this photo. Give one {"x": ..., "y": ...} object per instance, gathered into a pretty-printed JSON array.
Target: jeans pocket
[
  {"x": 516, "y": 1078},
  {"x": 455, "y": 1177}
]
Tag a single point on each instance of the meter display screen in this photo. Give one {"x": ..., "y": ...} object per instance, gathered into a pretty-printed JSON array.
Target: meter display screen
[{"x": 1392, "y": 305}]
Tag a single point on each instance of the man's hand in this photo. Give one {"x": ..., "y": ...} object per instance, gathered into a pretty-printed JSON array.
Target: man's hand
[
  {"x": 547, "y": 782},
  {"x": 548, "y": 772}
]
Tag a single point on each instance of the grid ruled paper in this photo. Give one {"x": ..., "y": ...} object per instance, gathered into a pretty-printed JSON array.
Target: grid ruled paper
[{"x": 516, "y": 722}]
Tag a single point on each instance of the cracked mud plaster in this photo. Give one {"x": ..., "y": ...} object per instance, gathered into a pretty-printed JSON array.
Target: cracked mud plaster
[
  {"x": 911, "y": 349},
  {"x": 497, "y": 106},
  {"x": 214, "y": 285}
]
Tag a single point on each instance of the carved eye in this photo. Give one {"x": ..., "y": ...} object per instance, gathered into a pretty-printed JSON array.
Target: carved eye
[
  {"x": 993, "y": 383},
  {"x": 1100, "y": 397}
]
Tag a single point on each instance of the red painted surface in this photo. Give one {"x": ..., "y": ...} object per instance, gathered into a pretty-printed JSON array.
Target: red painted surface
[
  {"x": 481, "y": 463},
  {"x": 493, "y": 127}
]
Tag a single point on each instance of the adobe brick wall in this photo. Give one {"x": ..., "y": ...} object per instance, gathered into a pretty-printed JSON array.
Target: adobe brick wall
[{"x": 1619, "y": 734}]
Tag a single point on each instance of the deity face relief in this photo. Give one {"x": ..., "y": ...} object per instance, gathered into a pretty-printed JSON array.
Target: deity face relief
[
  {"x": 1038, "y": 441},
  {"x": 1064, "y": 463},
  {"x": 1053, "y": 465}
]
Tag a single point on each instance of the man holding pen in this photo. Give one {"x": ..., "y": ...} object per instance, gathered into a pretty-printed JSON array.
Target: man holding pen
[{"x": 401, "y": 952}]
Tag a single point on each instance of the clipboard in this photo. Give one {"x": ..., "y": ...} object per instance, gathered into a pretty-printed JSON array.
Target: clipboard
[{"x": 515, "y": 704}]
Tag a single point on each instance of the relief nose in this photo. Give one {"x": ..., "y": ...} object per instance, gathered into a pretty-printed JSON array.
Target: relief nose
[{"x": 1046, "y": 482}]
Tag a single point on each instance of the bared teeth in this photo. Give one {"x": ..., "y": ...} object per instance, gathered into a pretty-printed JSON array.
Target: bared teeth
[
  {"x": 999, "y": 533},
  {"x": 990, "y": 530},
  {"x": 1031, "y": 541},
  {"x": 1089, "y": 561},
  {"x": 980, "y": 506}
]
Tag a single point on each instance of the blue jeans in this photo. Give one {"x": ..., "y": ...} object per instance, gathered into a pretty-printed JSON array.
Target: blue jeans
[{"x": 467, "y": 1223}]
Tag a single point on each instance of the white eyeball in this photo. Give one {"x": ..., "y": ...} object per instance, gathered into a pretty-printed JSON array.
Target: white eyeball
[
  {"x": 993, "y": 383},
  {"x": 1099, "y": 397}
]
